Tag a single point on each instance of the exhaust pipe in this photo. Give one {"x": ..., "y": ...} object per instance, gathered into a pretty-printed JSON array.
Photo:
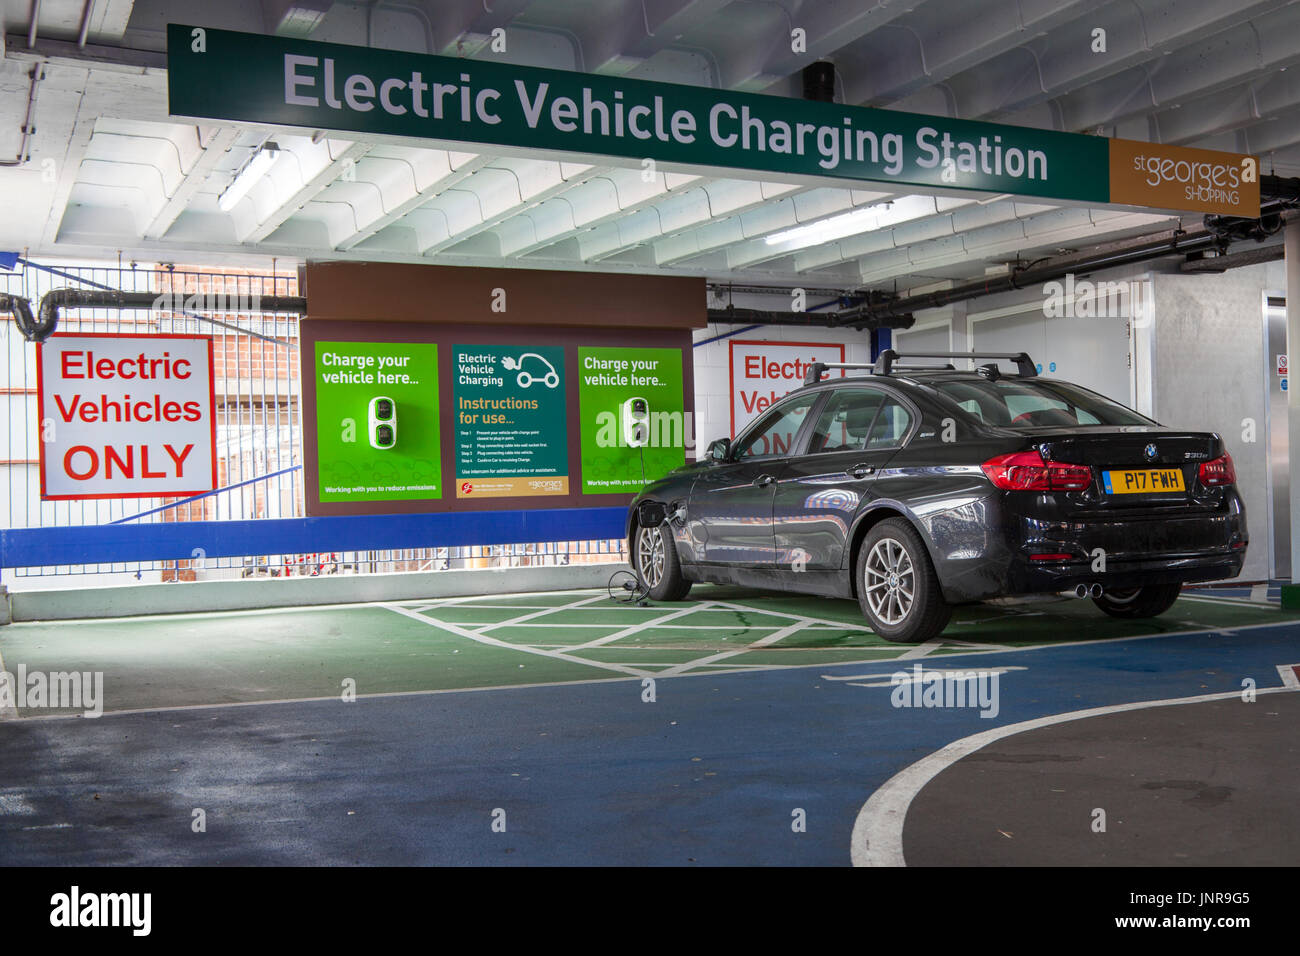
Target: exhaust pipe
[
  {"x": 1094, "y": 591},
  {"x": 1081, "y": 591}
]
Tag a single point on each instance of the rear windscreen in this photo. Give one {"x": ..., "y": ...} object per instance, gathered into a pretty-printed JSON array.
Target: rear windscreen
[{"x": 1034, "y": 404}]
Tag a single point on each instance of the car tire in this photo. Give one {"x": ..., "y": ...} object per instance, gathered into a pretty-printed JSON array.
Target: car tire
[
  {"x": 1147, "y": 601},
  {"x": 658, "y": 569},
  {"x": 913, "y": 609}
]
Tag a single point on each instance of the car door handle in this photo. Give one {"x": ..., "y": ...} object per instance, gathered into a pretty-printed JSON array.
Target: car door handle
[
  {"x": 762, "y": 481},
  {"x": 861, "y": 471}
]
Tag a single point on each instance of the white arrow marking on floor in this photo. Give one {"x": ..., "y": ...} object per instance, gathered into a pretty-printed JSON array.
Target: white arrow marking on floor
[{"x": 887, "y": 679}]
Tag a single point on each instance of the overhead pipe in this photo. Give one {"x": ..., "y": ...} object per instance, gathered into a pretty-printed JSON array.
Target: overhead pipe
[
  {"x": 48, "y": 314},
  {"x": 22, "y": 312},
  {"x": 1284, "y": 189},
  {"x": 1276, "y": 193},
  {"x": 85, "y": 24},
  {"x": 29, "y": 119},
  {"x": 809, "y": 319},
  {"x": 1141, "y": 251}
]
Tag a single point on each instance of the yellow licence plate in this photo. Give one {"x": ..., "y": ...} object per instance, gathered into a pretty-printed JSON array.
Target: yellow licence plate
[{"x": 1148, "y": 481}]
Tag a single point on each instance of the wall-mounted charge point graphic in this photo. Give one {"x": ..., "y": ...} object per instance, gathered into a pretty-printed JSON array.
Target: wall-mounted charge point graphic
[
  {"x": 526, "y": 377},
  {"x": 372, "y": 384},
  {"x": 383, "y": 422},
  {"x": 632, "y": 409},
  {"x": 636, "y": 422}
]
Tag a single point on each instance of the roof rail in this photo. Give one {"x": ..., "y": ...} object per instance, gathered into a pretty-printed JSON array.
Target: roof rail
[
  {"x": 817, "y": 369},
  {"x": 1024, "y": 364}
]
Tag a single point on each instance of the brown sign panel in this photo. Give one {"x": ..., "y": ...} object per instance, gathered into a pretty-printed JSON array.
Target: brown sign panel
[
  {"x": 1178, "y": 177},
  {"x": 403, "y": 292},
  {"x": 489, "y": 495}
]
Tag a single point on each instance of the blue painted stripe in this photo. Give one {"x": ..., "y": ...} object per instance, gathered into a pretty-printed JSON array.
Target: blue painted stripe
[{"x": 179, "y": 540}]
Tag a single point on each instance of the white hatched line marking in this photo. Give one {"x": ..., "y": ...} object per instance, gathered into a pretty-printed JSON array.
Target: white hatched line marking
[
  {"x": 921, "y": 650},
  {"x": 1238, "y": 602},
  {"x": 637, "y": 628},
  {"x": 506, "y": 645},
  {"x": 723, "y": 671},
  {"x": 528, "y": 617},
  {"x": 491, "y": 607},
  {"x": 651, "y": 625},
  {"x": 1288, "y": 674},
  {"x": 800, "y": 617},
  {"x": 761, "y": 642}
]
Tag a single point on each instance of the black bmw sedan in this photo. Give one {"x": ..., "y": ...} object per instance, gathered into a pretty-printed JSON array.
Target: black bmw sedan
[{"x": 917, "y": 488}]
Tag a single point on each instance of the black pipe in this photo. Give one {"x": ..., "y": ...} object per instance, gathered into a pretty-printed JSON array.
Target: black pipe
[
  {"x": 807, "y": 319},
  {"x": 58, "y": 299},
  {"x": 1178, "y": 242},
  {"x": 22, "y": 313},
  {"x": 1282, "y": 188}
]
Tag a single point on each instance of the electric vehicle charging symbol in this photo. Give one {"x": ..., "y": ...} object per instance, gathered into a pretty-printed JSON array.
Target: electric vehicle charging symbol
[{"x": 551, "y": 379}]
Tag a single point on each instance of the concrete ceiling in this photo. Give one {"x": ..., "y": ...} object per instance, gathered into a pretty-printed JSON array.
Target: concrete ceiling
[{"x": 109, "y": 173}]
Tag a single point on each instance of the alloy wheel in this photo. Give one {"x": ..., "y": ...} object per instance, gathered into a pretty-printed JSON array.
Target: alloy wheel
[
  {"x": 650, "y": 556},
  {"x": 890, "y": 581}
]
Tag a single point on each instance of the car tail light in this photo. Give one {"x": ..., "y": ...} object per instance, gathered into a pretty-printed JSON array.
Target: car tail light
[
  {"x": 1218, "y": 472},
  {"x": 1055, "y": 556},
  {"x": 1027, "y": 471}
]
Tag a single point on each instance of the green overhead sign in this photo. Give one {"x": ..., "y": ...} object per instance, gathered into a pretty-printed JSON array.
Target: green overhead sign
[{"x": 216, "y": 74}]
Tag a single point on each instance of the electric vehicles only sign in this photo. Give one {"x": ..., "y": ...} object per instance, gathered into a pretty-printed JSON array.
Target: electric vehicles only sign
[
  {"x": 762, "y": 373},
  {"x": 126, "y": 416}
]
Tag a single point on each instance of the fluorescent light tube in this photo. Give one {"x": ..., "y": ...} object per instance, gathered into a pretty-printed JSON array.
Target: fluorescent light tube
[
  {"x": 244, "y": 180},
  {"x": 836, "y": 227}
]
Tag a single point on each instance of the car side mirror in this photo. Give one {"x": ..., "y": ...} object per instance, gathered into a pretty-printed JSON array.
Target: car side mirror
[{"x": 719, "y": 449}]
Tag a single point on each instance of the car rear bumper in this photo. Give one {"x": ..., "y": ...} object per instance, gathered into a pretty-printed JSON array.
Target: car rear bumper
[
  {"x": 1033, "y": 544},
  {"x": 1031, "y": 578}
]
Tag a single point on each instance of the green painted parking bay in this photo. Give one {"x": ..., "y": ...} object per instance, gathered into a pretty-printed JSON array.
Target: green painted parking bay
[{"x": 497, "y": 641}]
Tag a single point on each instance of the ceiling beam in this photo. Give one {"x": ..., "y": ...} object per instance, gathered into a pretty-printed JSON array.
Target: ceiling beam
[
  {"x": 314, "y": 181},
  {"x": 219, "y": 143},
  {"x": 458, "y": 166}
]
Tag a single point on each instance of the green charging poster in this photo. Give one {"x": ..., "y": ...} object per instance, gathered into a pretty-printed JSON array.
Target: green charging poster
[
  {"x": 633, "y": 417},
  {"x": 512, "y": 439},
  {"x": 377, "y": 418}
]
